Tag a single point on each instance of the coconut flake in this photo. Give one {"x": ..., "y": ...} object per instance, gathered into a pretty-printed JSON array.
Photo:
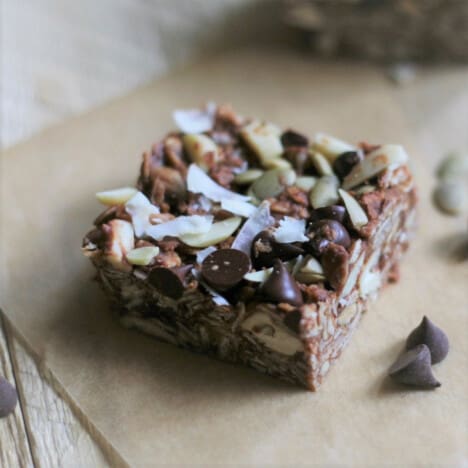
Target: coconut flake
[
  {"x": 195, "y": 224},
  {"x": 290, "y": 230},
  {"x": 195, "y": 120},
  {"x": 258, "y": 221},
  {"x": 199, "y": 182},
  {"x": 140, "y": 209},
  {"x": 239, "y": 208},
  {"x": 217, "y": 298},
  {"x": 202, "y": 254}
]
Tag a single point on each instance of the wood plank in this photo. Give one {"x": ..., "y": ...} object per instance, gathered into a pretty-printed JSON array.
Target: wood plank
[
  {"x": 56, "y": 435},
  {"x": 14, "y": 445}
]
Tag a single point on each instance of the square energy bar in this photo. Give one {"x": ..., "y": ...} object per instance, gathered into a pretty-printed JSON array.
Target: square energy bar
[{"x": 254, "y": 244}]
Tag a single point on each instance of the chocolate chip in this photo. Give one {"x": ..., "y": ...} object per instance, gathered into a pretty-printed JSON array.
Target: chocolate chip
[
  {"x": 292, "y": 138},
  {"x": 280, "y": 286},
  {"x": 169, "y": 281},
  {"x": 8, "y": 397},
  {"x": 292, "y": 320},
  {"x": 433, "y": 337},
  {"x": 95, "y": 236},
  {"x": 335, "y": 212},
  {"x": 414, "y": 368},
  {"x": 345, "y": 162},
  {"x": 299, "y": 157},
  {"x": 335, "y": 263},
  {"x": 225, "y": 268},
  {"x": 322, "y": 233},
  {"x": 265, "y": 250}
]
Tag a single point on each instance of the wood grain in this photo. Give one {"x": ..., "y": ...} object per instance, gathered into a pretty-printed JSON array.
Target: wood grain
[{"x": 14, "y": 446}]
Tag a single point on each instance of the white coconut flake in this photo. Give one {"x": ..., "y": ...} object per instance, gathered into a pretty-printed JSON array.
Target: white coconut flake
[
  {"x": 195, "y": 224},
  {"x": 195, "y": 120},
  {"x": 290, "y": 230},
  {"x": 140, "y": 209},
  {"x": 258, "y": 221},
  {"x": 199, "y": 182},
  {"x": 239, "y": 208},
  {"x": 202, "y": 254},
  {"x": 217, "y": 298}
]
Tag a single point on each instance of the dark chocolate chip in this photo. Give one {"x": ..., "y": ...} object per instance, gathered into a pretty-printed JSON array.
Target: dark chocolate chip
[
  {"x": 292, "y": 138},
  {"x": 334, "y": 212},
  {"x": 106, "y": 215},
  {"x": 8, "y": 397},
  {"x": 292, "y": 320},
  {"x": 414, "y": 368},
  {"x": 280, "y": 286},
  {"x": 265, "y": 250},
  {"x": 225, "y": 268},
  {"x": 322, "y": 233},
  {"x": 335, "y": 263},
  {"x": 345, "y": 162},
  {"x": 169, "y": 281},
  {"x": 95, "y": 236},
  {"x": 433, "y": 337}
]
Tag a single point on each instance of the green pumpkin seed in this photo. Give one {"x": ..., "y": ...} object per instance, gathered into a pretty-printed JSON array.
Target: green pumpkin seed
[
  {"x": 247, "y": 177},
  {"x": 325, "y": 192},
  {"x": 454, "y": 166},
  {"x": 306, "y": 182},
  {"x": 142, "y": 255},
  {"x": 451, "y": 196},
  {"x": 273, "y": 182}
]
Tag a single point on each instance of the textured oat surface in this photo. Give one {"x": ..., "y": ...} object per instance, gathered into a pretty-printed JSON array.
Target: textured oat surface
[{"x": 226, "y": 409}]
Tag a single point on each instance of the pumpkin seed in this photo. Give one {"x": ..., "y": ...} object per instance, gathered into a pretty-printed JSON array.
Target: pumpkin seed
[
  {"x": 248, "y": 176},
  {"x": 453, "y": 166},
  {"x": 321, "y": 163},
  {"x": 264, "y": 140},
  {"x": 324, "y": 192},
  {"x": 330, "y": 146},
  {"x": 198, "y": 146},
  {"x": 374, "y": 163},
  {"x": 273, "y": 182},
  {"x": 277, "y": 163},
  {"x": 356, "y": 213},
  {"x": 365, "y": 189},
  {"x": 116, "y": 197},
  {"x": 142, "y": 255},
  {"x": 306, "y": 182},
  {"x": 218, "y": 232},
  {"x": 451, "y": 196}
]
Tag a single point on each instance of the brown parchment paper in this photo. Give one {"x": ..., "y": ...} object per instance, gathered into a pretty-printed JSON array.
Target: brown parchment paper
[{"x": 160, "y": 405}]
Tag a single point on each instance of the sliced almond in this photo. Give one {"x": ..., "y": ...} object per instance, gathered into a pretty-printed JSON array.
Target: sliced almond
[
  {"x": 264, "y": 140},
  {"x": 330, "y": 146},
  {"x": 218, "y": 232},
  {"x": 306, "y": 182},
  {"x": 356, "y": 213},
  {"x": 116, "y": 197},
  {"x": 374, "y": 163},
  {"x": 310, "y": 272},
  {"x": 200, "y": 149},
  {"x": 258, "y": 276},
  {"x": 248, "y": 176},
  {"x": 321, "y": 163},
  {"x": 142, "y": 256},
  {"x": 325, "y": 192},
  {"x": 273, "y": 182}
]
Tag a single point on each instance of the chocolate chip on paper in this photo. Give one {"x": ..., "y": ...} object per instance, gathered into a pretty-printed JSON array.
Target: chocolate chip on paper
[
  {"x": 225, "y": 268},
  {"x": 414, "y": 368},
  {"x": 8, "y": 397},
  {"x": 433, "y": 337},
  {"x": 280, "y": 286}
]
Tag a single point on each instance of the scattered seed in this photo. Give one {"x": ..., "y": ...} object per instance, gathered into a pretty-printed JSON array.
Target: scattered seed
[{"x": 451, "y": 196}]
